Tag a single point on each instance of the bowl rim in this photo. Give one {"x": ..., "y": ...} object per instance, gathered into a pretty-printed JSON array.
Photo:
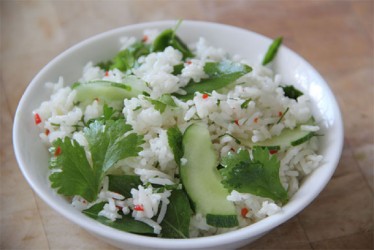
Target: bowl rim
[{"x": 101, "y": 230}]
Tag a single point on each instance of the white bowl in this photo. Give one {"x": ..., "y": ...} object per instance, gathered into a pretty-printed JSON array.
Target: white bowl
[{"x": 32, "y": 156}]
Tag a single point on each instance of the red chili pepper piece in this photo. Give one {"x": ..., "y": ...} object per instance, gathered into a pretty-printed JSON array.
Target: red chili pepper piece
[
  {"x": 145, "y": 38},
  {"x": 37, "y": 118},
  {"x": 188, "y": 62},
  {"x": 280, "y": 113},
  {"x": 244, "y": 211},
  {"x": 106, "y": 73},
  {"x": 47, "y": 132},
  {"x": 205, "y": 96},
  {"x": 138, "y": 208},
  {"x": 255, "y": 120},
  {"x": 273, "y": 151},
  {"x": 237, "y": 122},
  {"x": 58, "y": 151}
]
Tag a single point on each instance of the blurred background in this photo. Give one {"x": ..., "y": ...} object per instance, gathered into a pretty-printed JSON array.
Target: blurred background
[{"x": 335, "y": 36}]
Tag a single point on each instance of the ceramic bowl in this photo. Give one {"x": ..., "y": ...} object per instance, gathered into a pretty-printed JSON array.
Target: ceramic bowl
[{"x": 32, "y": 155}]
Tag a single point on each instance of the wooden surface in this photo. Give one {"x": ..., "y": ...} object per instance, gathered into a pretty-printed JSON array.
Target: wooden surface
[{"x": 336, "y": 37}]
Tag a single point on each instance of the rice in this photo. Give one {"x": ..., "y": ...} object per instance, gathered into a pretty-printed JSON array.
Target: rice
[{"x": 267, "y": 114}]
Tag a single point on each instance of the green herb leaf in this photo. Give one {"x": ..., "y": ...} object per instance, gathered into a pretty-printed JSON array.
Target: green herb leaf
[
  {"x": 177, "y": 70},
  {"x": 167, "y": 38},
  {"x": 74, "y": 175},
  {"x": 108, "y": 112},
  {"x": 220, "y": 75},
  {"x": 126, "y": 59},
  {"x": 126, "y": 223},
  {"x": 107, "y": 144},
  {"x": 175, "y": 138},
  {"x": 177, "y": 218},
  {"x": 244, "y": 105},
  {"x": 291, "y": 92},
  {"x": 164, "y": 101},
  {"x": 75, "y": 85},
  {"x": 105, "y": 65},
  {"x": 123, "y": 184},
  {"x": 258, "y": 176},
  {"x": 272, "y": 51}
]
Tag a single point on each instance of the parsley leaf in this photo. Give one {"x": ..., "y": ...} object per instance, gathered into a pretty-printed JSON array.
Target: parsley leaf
[
  {"x": 107, "y": 144},
  {"x": 258, "y": 176}
]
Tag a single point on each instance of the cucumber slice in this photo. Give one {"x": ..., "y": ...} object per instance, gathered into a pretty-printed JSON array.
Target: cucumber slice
[
  {"x": 202, "y": 180},
  {"x": 286, "y": 139},
  {"x": 110, "y": 91}
]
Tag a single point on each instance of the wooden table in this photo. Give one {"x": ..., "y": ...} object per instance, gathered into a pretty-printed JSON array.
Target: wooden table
[{"x": 335, "y": 36}]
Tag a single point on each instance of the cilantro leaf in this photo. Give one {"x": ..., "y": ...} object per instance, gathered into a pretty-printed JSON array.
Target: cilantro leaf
[
  {"x": 126, "y": 223},
  {"x": 107, "y": 144},
  {"x": 109, "y": 113},
  {"x": 177, "y": 218},
  {"x": 126, "y": 59},
  {"x": 105, "y": 65},
  {"x": 175, "y": 138},
  {"x": 76, "y": 177},
  {"x": 161, "y": 103},
  {"x": 258, "y": 176}
]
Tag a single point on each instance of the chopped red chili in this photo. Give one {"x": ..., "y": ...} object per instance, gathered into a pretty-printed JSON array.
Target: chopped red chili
[
  {"x": 205, "y": 96},
  {"x": 280, "y": 113},
  {"x": 255, "y": 120},
  {"x": 58, "y": 151},
  {"x": 145, "y": 38},
  {"x": 106, "y": 73},
  {"x": 138, "y": 208},
  {"x": 273, "y": 151},
  {"x": 244, "y": 211},
  {"x": 188, "y": 62},
  {"x": 237, "y": 122},
  {"x": 37, "y": 118},
  {"x": 47, "y": 132}
]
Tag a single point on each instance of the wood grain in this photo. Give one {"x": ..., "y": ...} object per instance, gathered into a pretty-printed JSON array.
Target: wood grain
[{"x": 336, "y": 37}]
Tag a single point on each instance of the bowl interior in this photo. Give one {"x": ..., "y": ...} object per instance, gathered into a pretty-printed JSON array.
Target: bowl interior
[{"x": 32, "y": 155}]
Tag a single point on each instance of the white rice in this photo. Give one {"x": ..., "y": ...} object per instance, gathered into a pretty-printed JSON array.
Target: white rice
[{"x": 155, "y": 163}]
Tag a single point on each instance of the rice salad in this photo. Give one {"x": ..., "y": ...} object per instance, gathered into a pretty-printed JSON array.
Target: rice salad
[{"x": 178, "y": 141}]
